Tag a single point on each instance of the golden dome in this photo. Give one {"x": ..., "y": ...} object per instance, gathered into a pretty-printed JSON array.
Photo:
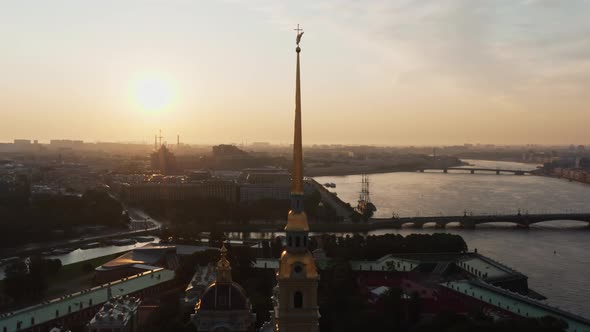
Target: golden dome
[
  {"x": 288, "y": 259},
  {"x": 297, "y": 222}
]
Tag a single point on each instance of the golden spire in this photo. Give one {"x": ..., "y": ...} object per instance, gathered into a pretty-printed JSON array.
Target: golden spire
[
  {"x": 297, "y": 186},
  {"x": 223, "y": 267},
  {"x": 297, "y": 220}
]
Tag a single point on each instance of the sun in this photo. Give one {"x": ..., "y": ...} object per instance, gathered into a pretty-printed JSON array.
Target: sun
[{"x": 154, "y": 94}]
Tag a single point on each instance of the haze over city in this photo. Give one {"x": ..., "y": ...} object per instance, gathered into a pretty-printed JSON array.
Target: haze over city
[
  {"x": 300, "y": 166},
  {"x": 375, "y": 72}
]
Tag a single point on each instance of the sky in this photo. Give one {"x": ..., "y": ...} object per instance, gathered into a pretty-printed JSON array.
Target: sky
[{"x": 387, "y": 72}]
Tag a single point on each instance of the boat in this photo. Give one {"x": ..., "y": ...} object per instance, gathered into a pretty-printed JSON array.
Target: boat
[
  {"x": 365, "y": 207},
  {"x": 90, "y": 245}
]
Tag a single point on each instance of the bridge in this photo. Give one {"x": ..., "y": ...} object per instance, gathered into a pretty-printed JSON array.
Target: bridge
[
  {"x": 467, "y": 221},
  {"x": 472, "y": 170}
]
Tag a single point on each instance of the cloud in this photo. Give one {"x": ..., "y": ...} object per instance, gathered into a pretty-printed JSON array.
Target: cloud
[{"x": 502, "y": 49}]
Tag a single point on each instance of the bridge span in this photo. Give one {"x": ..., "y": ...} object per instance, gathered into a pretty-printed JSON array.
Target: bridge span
[
  {"x": 467, "y": 221},
  {"x": 472, "y": 170}
]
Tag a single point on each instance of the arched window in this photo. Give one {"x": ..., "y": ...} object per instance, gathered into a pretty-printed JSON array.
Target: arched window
[{"x": 298, "y": 300}]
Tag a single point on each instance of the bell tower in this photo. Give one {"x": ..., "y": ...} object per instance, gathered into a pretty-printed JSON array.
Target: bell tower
[{"x": 296, "y": 305}]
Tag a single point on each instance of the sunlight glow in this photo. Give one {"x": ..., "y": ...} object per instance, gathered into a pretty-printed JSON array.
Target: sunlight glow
[{"x": 154, "y": 94}]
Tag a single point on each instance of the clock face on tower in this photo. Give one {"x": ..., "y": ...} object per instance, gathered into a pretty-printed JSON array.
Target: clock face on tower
[{"x": 298, "y": 270}]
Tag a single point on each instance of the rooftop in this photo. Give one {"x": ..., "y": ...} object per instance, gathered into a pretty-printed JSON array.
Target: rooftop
[
  {"x": 149, "y": 254},
  {"x": 65, "y": 305},
  {"x": 486, "y": 268},
  {"x": 516, "y": 303}
]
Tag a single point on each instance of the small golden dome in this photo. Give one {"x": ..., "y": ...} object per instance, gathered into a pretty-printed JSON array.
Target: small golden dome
[
  {"x": 223, "y": 267},
  {"x": 297, "y": 222}
]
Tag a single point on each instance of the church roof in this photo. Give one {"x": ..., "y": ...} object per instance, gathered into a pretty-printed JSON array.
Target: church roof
[{"x": 224, "y": 296}]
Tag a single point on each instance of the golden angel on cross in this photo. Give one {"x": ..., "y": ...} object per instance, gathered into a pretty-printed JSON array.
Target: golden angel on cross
[{"x": 299, "y": 34}]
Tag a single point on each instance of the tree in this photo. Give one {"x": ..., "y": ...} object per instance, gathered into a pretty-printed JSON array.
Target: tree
[
  {"x": 415, "y": 308},
  {"x": 216, "y": 238},
  {"x": 392, "y": 309},
  {"x": 27, "y": 280}
]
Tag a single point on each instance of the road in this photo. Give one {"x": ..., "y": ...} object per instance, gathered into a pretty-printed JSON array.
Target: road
[{"x": 328, "y": 198}]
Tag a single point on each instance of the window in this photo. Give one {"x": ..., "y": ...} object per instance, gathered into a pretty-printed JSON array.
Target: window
[
  {"x": 56, "y": 313},
  {"x": 289, "y": 241},
  {"x": 298, "y": 300},
  {"x": 32, "y": 320},
  {"x": 297, "y": 242}
]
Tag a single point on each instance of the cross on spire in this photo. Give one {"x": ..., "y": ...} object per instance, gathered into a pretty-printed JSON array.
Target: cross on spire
[{"x": 298, "y": 29}]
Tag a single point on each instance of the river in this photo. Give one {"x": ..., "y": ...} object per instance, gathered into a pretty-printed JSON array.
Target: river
[{"x": 561, "y": 276}]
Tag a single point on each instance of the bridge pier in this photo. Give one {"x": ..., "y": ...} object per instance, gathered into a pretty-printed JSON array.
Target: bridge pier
[
  {"x": 467, "y": 224},
  {"x": 472, "y": 171},
  {"x": 445, "y": 170},
  {"x": 421, "y": 171},
  {"x": 417, "y": 225},
  {"x": 497, "y": 172},
  {"x": 522, "y": 226},
  {"x": 441, "y": 225},
  {"x": 396, "y": 225}
]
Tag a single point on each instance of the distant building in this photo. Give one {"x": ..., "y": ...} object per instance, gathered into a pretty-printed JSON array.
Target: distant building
[
  {"x": 66, "y": 143},
  {"x": 164, "y": 161},
  {"x": 117, "y": 315},
  {"x": 264, "y": 183},
  {"x": 22, "y": 142},
  {"x": 152, "y": 191},
  {"x": 227, "y": 150}
]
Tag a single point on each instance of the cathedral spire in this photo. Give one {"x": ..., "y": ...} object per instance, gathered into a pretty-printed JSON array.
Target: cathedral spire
[
  {"x": 297, "y": 187},
  {"x": 297, "y": 220},
  {"x": 296, "y": 306}
]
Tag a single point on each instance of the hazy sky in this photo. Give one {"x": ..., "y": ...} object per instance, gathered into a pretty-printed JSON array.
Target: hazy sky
[{"x": 383, "y": 71}]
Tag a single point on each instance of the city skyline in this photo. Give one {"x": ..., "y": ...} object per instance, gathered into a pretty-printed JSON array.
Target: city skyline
[{"x": 384, "y": 73}]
